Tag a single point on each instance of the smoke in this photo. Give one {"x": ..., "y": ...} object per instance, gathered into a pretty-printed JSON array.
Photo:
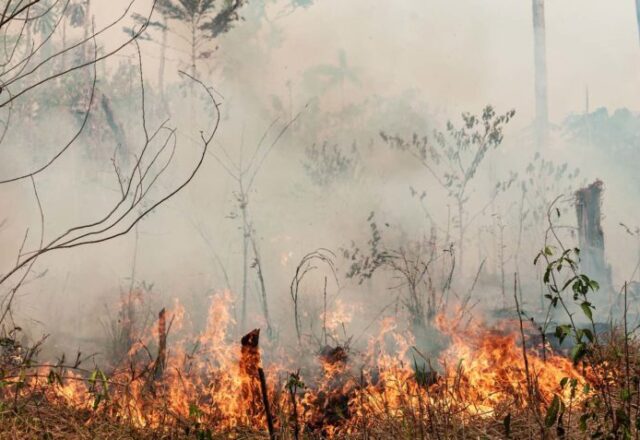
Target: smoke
[{"x": 350, "y": 70}]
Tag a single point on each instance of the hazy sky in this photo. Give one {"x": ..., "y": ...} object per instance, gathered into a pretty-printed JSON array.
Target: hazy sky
[
  {"x": 469, "y": 52},
  {"x": 462, "y": 54}
]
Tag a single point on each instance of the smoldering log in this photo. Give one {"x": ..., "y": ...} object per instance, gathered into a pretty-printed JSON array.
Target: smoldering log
[{"x": 590, "y": 234}]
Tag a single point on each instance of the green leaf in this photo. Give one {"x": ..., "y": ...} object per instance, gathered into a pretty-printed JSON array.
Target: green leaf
[
  {"x": 583, "y": 422},
  {"x": 535, "y": 260},
  {"x": 547, "y": 273},
  {"x": 97, "y": 401},
  {"x": 562, "y": 331},
  {"x": 568, "y": 282},
  {"x": 589, "y": 334},
  {"x": 552, "y": 412},
  {"x": 577, "y": 352},
  {"x": 563, "y": 382},
  {"x": 194, "y": 411},
  {"x": 586, "y": 308}
]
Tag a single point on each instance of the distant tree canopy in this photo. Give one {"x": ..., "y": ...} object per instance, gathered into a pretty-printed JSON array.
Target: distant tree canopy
[
  {"x": 453, "y": 156},
  {"x": 213, "y": 17},
  {"x": 204, "y": 20},
  {"x": 617, "y": 132}
]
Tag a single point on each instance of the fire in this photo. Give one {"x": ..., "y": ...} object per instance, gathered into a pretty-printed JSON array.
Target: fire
[
  {"x": 339, "y": 315},
  {"x": 491, "y": 370},
  {"x": 212, "y": 380}
]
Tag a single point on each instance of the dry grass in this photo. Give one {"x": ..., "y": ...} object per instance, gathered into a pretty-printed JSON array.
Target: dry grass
[
  {"x": 47, "y": 421},
  {"x": 34, "y": 416}
]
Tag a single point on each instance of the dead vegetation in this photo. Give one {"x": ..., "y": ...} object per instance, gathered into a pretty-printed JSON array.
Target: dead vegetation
[{"x": 550, "y": 374}]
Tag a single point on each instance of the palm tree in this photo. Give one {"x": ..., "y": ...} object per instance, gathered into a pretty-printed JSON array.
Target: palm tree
[
  {"x": 76, "y": 15},
  {"x": 332, "y": 75}
]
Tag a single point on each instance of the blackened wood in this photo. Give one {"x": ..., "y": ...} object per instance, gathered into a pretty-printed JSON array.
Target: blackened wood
[{"x": 265, "y": 401}]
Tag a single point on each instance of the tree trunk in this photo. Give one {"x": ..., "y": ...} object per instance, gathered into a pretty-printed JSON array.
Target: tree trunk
[
  {"x": 87, "y": 19},
  {"x": 161, "y": 360},
  {"x": 590, "y": 235},
  {"x": 638, "y": 16},
  {"x": 461, "y": 237},
  {"x": 540, "y": 60},
  {"x": 263, "y": 289},
  {"x": 249, "y": 365},
  {"x": 245, "y": 262},
  {"x": 193, "y": 50}
]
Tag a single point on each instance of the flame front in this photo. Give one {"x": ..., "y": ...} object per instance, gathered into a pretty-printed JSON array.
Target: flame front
[{"x": 212, "y": 381}]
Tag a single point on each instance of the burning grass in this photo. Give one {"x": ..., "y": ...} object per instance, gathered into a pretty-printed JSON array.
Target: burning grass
[{"x": 211, "y": 385}]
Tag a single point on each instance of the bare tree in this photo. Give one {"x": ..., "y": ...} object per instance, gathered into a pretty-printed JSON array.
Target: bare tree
[
  {"x": 244, "y": 174},
  {"x": 453, "y": 158},
  {"x": 139, "y": 190}
]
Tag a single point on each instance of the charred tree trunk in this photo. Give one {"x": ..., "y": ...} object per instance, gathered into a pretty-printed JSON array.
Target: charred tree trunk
[
  {"x": 265, "y": 401},
  {"x": 249, "y": 366},
  {"x": 540, "y": 60},
  {"x": 254, "y": 383},
  {"x": 161, "y": 361},
  {"x": 590, "y": 235}
]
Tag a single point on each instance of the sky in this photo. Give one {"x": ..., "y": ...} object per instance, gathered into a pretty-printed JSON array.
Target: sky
[{"x": 462, "y": 54}]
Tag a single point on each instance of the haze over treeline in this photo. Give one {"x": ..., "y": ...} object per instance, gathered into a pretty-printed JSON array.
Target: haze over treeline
[{"x": 325, "y": 105}]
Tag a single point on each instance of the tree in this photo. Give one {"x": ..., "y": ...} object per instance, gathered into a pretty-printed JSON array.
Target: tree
[
  {"x": 540, "y": 60},
  {"x": 638, "y": 16},
  {"x": 204, "y": 20},
  {"x": 76, "y": 15},
  {"x": 244, "y": 174},
  {"x": 332, "y": 75},
  {"x": 454, "y": 156},
  {"x": 27, "y": 69}
]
